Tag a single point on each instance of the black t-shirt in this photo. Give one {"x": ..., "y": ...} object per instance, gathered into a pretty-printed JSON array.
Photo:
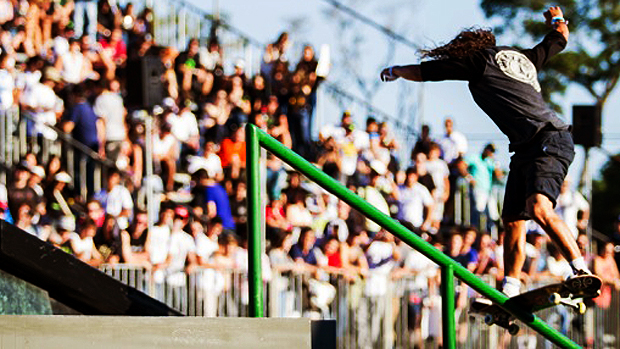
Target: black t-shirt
[
  {"x": 427, "y": 181},
  {"x": 239, "y": 209},
  {"x": 106, "y": 19},
  {"x": 503, "y": 82},
  {"x": 138, "y": 244}
]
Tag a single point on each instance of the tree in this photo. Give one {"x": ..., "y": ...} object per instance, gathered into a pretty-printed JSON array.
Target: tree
[
  {"x": 592, "y": 59},
  {"x": 605, "y": 194}
]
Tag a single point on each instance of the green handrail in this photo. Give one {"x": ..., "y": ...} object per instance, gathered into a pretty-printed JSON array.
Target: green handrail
[{"x": 256, "y": 138}]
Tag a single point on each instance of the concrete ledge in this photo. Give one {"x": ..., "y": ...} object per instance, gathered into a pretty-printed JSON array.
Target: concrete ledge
[{"x": 18, "y": 331}]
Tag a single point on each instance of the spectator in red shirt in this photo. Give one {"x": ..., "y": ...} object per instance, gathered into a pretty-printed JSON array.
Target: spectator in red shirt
[
  {"x": 232, "y": 152},
  {"x": 114, "y": 52},
  {"x": 332, "y": 252}
]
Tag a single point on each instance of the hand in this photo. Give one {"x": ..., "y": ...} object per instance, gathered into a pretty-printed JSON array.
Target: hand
[
  {"x": 388, "y": 74},
  {"x": 553, "y": 11}
]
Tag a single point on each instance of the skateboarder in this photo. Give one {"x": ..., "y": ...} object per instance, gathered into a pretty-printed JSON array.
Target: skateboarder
[{"x": 503, "y": 82}]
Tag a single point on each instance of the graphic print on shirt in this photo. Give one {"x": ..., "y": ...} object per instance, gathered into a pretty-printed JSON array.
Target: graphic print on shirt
[{"x": 517, "y": 66}]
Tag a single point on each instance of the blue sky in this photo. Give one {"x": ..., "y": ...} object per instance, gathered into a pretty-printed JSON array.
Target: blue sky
[{"x": 426, "y": 23}]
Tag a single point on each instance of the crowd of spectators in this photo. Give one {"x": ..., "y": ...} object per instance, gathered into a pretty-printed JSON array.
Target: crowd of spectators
[{"x": 61, "y": 70}]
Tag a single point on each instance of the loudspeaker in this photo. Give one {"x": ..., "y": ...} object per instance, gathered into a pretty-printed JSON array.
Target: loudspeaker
[
  {"x": 587, "y": 125},
  {"x": 145, "y": 88}
]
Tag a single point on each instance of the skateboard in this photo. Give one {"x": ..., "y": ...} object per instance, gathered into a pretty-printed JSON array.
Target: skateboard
[{"x": 584, "y": 286}]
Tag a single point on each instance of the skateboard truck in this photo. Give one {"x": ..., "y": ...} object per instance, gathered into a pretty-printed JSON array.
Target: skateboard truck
[
  {"x": 557, "y": 299},
  {"x": 512, "y": 328}
]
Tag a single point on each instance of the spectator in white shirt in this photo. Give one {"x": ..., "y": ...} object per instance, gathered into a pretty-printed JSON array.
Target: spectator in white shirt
[
  {"x": 209, "y": 161},
  {"x": 184, "y": 127},
  {"x": 205, "y": 245},
  {"x": 453, "y": 143},
  {"x": 110, "y": 108},
  {"x": 73, "y": 65},
  {"x": 83, "y": 245},
  {"x": 438, "y": 169},
  {"x": 569, "y": 204},
  {"x": 7, "y": 83},
  {"x": 166, "y": 153},
  {"x": 116, "y": 200},
  {"x": 43, "y": 105},
  {"x": 158, "y": 241},
  {"x": 373, "y": 194},
  {"x": 182, "y": 251},
  {"x": 417, "y": 201}
]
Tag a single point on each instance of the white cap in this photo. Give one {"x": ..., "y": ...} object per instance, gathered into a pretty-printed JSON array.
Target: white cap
[
  {"x": 67, "y": 223},
  {"x": 63, "y": 177},
  {"x": 38, "y": 170},
  {"x": 378, "y": 166}
]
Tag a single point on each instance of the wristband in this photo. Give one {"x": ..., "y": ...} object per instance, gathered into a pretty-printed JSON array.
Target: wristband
[
  {"x": 391, "y": 74},
  {"x": 556, "y": 19}
]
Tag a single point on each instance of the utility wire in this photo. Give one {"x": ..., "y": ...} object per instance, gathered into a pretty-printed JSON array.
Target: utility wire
[
  {"x": 372, "y": 109},
  {"x": 331, "y": 86},
  {"x": 367, "y": 20}
]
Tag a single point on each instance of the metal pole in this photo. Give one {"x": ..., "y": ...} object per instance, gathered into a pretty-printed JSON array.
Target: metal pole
[
  {"x": 11, "y": 141},
  {"x": 588, "y": 195},
  {"x": 83, "y": 177},
  {"x": 458, "y": 205},
  {"x": 4, "y": 141},
  {"x": 97, "y": 178},
  {"x": 466, "y": 204},
  {"x": 23, "y": 149},
  {"x": 148, "y": 129},
  {"x": 3, "y": 138},
  {"x": 447, "y": 307},
  {"x": 172, "y": 29},
  {"x": 254, "y": 213},
  {"x": 71, "y": 161},
  {"x": 182, "y": 26},
  {"x": 391, "y": 225}
]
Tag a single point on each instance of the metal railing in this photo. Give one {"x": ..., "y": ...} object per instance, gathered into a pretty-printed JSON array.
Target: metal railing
[
  {"x": 365, "y": 319},
  {"x": 19, "y": 139},
  {"x": 8, "y": 153},
  {"x": 224, "y": 292},
  {"x": 256, "y": 138}
]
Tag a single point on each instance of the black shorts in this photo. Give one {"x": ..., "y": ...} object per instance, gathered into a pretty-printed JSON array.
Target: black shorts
[{"x": 539, "y": 167}]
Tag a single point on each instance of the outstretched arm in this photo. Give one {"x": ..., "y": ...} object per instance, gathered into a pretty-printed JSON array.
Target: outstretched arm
[
  {"x": 553, "y": 43},
  {"x": 408, "y": 72},
  {"x": 555, "y": 18}
]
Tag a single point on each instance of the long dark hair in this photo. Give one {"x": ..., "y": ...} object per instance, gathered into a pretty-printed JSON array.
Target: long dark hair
[{"x": 467, "y": 42}]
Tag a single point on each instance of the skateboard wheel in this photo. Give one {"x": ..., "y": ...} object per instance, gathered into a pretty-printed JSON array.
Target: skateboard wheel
[
  {"x": 513, "y": 329},
  {"x": 588, "y": 282},
  {"x": 555, "y": 298},
  {"x": 581, "y": 308},
  {"x": 598, "y": 293},
  {"x": 489, "y": 319}
]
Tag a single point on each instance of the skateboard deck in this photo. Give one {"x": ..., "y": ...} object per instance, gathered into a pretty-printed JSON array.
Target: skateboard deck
[{"x": 584, "y": 286}]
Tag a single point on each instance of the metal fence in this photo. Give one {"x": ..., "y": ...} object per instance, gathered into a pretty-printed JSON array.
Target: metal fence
[
  {"x": 377, "y": 311},
  {"x": 8, "y": 151},
  {"x": 18, "y": 138}
]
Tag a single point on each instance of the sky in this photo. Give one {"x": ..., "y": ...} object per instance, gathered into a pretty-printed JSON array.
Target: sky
[{"x": 424, "y": 22}]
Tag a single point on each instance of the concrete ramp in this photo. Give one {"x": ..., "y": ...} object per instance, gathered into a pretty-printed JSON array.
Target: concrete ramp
[{"x": 29, "y": 331}]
